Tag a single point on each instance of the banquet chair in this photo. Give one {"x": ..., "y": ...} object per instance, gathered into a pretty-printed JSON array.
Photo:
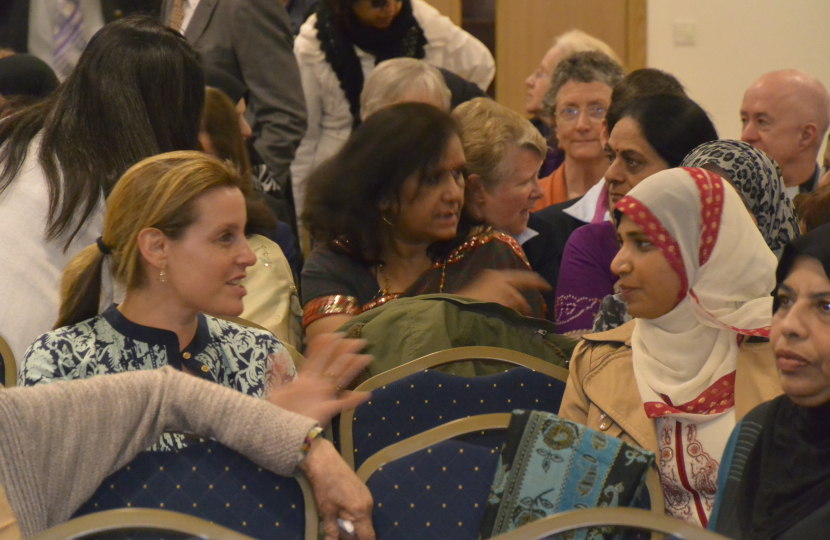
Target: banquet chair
[
  {"x": 434, "y": 485},
  {"x": 135, "y": 523},
  {"x": 415, "y": 397},
  {"x": 212, "y": 482}
]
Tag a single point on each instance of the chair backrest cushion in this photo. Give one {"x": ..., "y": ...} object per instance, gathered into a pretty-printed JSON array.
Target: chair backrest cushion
[
  {"x": 550, "y": 465},
  {"x": 209, "y": 481},
  {"x": 436, "y": 493},
  {"x": 429, "y": 398}
]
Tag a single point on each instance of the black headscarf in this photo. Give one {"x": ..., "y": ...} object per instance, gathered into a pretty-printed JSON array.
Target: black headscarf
[
  {"x": 787, "y": 475},
  {"x": 339, "y": 33},
  {"x": 26, "y": 75}
]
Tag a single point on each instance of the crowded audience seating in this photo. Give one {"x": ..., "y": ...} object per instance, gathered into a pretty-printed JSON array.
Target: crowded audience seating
[{"x": 655, "y": 340}]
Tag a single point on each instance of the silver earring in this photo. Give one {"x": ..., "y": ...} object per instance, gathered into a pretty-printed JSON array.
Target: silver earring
[{"x": 162, "y": 275}]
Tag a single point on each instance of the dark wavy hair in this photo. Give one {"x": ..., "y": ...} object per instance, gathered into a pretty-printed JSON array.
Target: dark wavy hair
[
  {"x": 342, "y": 208},
  {"x": 137, "y": 91},
  {"x": 673, "y": 125}
]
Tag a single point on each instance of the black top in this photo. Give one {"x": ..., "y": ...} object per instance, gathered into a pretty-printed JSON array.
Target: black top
[{"x": 544, "y": 253}]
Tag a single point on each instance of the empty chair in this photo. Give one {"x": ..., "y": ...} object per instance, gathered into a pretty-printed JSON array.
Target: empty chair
[
  {"x": 414, "y": 397},
  {"x": 434, "y": 485},
  {"x": 212, "y": 482}
]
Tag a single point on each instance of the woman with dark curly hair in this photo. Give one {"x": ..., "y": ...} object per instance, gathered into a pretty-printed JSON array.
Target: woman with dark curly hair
[{"x": 386, "y": 214}]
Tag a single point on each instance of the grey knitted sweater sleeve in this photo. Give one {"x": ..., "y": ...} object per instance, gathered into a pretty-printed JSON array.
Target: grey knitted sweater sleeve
[{"x": 59, "y": 441}]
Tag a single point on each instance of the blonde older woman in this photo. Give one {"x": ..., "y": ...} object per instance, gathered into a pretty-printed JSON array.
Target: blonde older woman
[
  {"x": 577, "y": 100},
  {"x": 504, "y": 152},
  {"x": 402, "y": 80}
]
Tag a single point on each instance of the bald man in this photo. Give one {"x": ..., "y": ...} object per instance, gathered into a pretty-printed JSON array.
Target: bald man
[{"x": 786, "y": 114}]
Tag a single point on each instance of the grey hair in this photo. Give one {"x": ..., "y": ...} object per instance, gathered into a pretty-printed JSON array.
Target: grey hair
[
  {"x": 583, "y": 67},
  {"x": 574, "y": 41},
  {"x": 392, "y": 81}
]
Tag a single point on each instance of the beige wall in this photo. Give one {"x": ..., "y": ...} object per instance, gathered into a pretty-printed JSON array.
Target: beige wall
[
  {"x": 736, "y": 41},
  {"x": 450, "y": 8},
  {"x": 525, "y": 30}
]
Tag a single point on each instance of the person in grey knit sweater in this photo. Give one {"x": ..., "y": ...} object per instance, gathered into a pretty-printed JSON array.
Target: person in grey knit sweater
[{"x": 49, "y": 432}]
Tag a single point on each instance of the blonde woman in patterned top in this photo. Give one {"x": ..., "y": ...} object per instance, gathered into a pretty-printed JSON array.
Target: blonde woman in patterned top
[{"x": 174, "y": 239}]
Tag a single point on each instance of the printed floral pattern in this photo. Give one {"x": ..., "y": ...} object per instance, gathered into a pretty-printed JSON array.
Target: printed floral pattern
[{"x": 236, "y": 357}]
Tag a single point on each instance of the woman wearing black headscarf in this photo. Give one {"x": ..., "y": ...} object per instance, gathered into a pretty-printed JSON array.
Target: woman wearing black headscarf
[
  {"x": 339, "y": 46},
  {"x": 778, "y": 458}
]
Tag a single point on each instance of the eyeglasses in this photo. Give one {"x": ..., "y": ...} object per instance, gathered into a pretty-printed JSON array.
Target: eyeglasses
[{"x": 570, "y": 114}]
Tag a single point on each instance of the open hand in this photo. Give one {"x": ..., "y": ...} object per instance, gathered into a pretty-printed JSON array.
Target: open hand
[
  {"x": 332, "y": 363},
  {"x": 505, "y": 287}
]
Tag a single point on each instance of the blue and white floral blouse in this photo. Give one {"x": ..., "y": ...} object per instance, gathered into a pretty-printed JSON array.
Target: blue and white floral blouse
[{"x": 245, "y": 359}]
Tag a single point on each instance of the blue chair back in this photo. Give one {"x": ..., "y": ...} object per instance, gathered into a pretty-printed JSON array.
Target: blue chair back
[
  {"x": 429, "y": 398},
  {"x": 209, "y": 481}
]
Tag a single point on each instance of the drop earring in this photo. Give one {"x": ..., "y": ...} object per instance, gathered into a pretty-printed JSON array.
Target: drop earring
[{"x": 162, "y": 275}]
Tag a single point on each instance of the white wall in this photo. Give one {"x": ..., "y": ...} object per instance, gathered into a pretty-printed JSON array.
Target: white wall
[{"x": 737, "y": 41}]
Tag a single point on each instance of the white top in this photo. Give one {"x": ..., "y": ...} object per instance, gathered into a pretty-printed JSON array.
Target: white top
[
  {"x": 329, "y": 116},
  {"x": 30, "y": 265},
  {"x": 189, "y": 8},
  {"x": 42, "y": 25},
  {"x": 585, "y": 208}
]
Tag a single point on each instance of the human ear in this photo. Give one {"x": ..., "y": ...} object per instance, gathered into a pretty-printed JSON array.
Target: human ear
[
  {"x": 809, "y": 134},
  {"x": 475, "y": 189},
  {"x": 154, "y": 247}
]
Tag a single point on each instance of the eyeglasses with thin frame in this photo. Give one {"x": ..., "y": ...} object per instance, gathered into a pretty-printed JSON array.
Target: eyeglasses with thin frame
[{"x": 570, "y": 114}]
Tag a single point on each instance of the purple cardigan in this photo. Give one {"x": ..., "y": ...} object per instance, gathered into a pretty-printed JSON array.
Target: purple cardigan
[{"x": 585, "y": 277}]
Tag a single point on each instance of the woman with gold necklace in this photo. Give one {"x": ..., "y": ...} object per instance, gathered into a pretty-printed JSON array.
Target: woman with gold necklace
[{"x": 386, "y": 214}]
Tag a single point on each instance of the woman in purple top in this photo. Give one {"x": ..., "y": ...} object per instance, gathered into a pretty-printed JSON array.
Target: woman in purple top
[{"x": 646, "y": 135}]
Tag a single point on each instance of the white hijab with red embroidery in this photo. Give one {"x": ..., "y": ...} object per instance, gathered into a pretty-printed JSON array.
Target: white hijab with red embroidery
[{"x": 687, "y": 357}]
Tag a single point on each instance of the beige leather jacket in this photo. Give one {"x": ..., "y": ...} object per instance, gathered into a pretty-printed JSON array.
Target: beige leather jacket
[{"x": 602, "y": 392}]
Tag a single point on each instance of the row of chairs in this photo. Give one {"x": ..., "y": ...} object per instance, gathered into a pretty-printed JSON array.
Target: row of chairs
[
  {"x": 150, "y": 524},
  {"x": 426, "y": 444}
]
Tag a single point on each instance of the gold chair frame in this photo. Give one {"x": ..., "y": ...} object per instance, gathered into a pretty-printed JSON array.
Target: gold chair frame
[
  {"x": 10, "y": 364},
  {"x": 138, "y": 518},
  {"x": 598, "y": 517},
  {"x": 449, "y": 356}
]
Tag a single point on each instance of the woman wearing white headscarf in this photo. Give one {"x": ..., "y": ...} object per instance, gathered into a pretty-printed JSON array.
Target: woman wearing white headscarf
[{"x": 696, "y": 275}]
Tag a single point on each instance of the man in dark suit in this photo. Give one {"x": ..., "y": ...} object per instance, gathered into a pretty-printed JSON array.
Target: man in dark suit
[
  {"x": 252, "y": 40},
  {"x": 15, "y": 23}
]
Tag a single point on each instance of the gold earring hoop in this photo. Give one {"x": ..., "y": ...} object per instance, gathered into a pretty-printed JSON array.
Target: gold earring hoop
[
  {"x": 386, "y": 220},
  {"x": 162, "y": 275}
]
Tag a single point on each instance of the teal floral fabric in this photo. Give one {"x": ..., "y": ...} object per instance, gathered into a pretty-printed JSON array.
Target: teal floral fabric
[
  {"x": 550, "y": 465},
  {"x": 245, "y": 359}
]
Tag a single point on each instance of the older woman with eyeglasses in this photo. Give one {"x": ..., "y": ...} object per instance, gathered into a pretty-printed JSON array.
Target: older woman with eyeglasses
[{"x": 577, "y": 100}]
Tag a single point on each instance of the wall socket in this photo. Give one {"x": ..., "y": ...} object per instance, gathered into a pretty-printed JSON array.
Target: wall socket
[{"x": 684, "y": 33}]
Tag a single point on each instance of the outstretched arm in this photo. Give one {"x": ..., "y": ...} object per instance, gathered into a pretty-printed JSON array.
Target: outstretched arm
[{"x": 59, "y": 441}]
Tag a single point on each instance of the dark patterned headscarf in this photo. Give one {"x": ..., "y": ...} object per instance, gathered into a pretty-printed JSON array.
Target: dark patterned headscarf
[{"x": 758, "y": 179}]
